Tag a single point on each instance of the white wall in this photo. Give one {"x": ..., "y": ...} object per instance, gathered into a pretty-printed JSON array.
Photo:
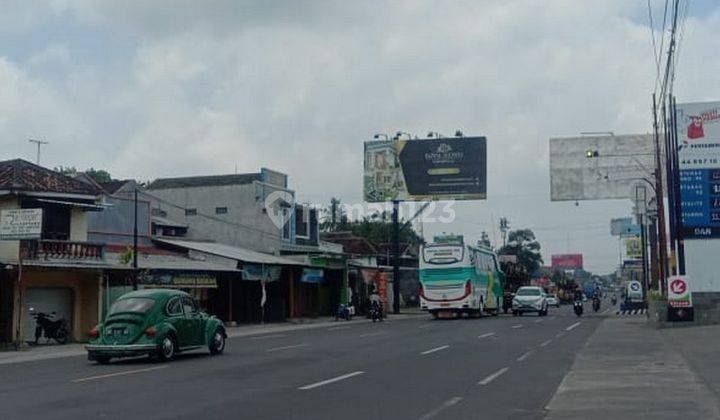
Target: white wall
[
  {"x": 9, "y": 249},
  {"x": 702, "y": 264}
]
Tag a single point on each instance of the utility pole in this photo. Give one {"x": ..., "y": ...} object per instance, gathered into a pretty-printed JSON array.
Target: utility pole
[
  {"x": 396, "y": 256},
  {"x": 660, "y": 202},
  {"x": 39, "y": 143},
  {"x": 135, "y": 243}
]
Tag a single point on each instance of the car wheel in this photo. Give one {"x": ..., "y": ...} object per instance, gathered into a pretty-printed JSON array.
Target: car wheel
[
  {"x": 217, "y": 344},
  {"x": 166, "y": 349},
  {"x": 102, "y": 360}
]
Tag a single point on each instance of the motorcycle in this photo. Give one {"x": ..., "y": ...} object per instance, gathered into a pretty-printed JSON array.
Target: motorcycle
[
  {"x": 376, "y": 312},
  {"x": 345, "y": 312},
  {"x": 596, "y": 304},
  {"x": 52, "y": 329},
  {"x": 578, "y": 307}
]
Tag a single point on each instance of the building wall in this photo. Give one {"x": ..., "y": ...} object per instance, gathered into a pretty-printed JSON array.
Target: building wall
[
  {"x": 246, "y": 223},
  {"x": 78, "y": 225},
  {"x": 115, "y": 224},
  {"x": 85, "y": 286},
  {"x": 9, "y": 249}
]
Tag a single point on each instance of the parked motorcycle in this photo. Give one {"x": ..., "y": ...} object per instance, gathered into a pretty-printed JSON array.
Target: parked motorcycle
[
  {"x": 596, "y": 304},
  {"x": 52, "y": 329},
  {"x": 578, "y": 307},
  {"x": 376, "y": 312},
  {"x": 345, "y": 312}
]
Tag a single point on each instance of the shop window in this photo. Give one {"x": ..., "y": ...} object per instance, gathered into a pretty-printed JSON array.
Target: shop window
[
  {"x": 221, "y": 210},
  {"x": 190, "y": 212}
]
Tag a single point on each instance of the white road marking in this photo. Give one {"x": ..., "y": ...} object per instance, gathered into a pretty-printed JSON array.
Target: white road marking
[
  {"x": 435, "y": 349},
  {"x": 492, "y": 377},
  {"x": 293, "y": 346},
  {"x": 537, "y": 321},
  {"x": 517, "y": 326},
  {"x": 449, "y": 403},
  {"x": 124, "y": 372},
  {"x": 570, "y": 328},
  {"x": 524, "y": 356},
  {"x": 373, "y": 334},
  {"x": 338, "y": 328},
  {"x": 263, "y": 337},
  {"x": 545, "y": 343},
  {"x": 486, "y": 335},
  {"x": 331, "y": 380},
  {"x": 426, "y": 326},
  {"x": 560, "y": 334}
]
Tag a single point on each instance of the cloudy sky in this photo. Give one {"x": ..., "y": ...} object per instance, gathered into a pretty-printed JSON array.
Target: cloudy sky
[{"x": 150, "y": 89}]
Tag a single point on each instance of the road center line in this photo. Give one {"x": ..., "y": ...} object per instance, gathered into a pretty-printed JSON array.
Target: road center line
[
  {"x": 331, "y": 380},
  {"x": 486, "y": 335},
  {"x": 372, "y": 334},
  {"x": 517, "y": 326},
  {"x": 435, "y": 349},
  {"x": 125, "y": 372},
  {"x": 570, "y": 328},
  {"x": 492, "y": 377},
  {"x": 524, "y": 356},
  {"x": 263, "y": 337},
  {"x": 560, "y": 334},
  {"x": 449, "y": 403},
  {"x": 293, "y": 346},
  {"x": 338, "y": 328},
  {"x": 545, "y": 343}
]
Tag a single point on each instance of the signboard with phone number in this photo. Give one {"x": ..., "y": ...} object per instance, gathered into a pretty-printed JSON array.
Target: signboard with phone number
[{"x": 700, "y": 193}]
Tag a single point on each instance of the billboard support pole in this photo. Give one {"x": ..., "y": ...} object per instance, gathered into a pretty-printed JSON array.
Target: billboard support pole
[
  {"x": 135, "y": 244},
  {"x": 396, "y": 256},
  {"x": 676, "y": 188}
]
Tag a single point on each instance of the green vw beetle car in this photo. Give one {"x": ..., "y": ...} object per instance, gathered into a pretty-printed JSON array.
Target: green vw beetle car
[{"x": 154, "y": 322}]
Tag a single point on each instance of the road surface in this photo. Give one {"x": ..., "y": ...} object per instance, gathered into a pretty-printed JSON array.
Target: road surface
[{"x": 416, "y": 368}]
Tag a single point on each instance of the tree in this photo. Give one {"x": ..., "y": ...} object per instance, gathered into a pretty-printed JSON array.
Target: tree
[
  {"x": 99, "y": 175},
  {"x": 522, "y": 243}
]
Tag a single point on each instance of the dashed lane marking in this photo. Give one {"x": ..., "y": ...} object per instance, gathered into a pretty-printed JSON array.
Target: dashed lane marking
[
  {"x": 517, "y": 326},
  {"x": 449, "y": 403},
  {"x": 293, "y": 346},
  {"x": 545, "y": 343},
  {"x": 494, "y": 376},
  {"x": 331, "y": 380},
  {"x": 486, "y": 335},
  {"x": 435, "y": 349},
  {"x": 122, "y": 373},
  {"x": 345, "y": 327},
  {"x": 264, "y": 337},
  {"x": 573, "y": 326},
  {"x": 525, "y": 356}
]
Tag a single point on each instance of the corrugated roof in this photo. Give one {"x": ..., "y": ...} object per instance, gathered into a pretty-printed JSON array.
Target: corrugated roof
[
  {"x": 166, "y": 262},
  {"x": 164, "y": 221},
  {"x": 232, "y": 252},
  {"x": 203, "y": 181}
]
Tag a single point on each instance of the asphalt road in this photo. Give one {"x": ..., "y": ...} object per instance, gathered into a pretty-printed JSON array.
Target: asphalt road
[{"x": 417, "y": 368}]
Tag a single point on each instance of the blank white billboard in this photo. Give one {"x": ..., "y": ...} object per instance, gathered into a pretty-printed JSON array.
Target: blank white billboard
[{"x": 622, "y": 162}]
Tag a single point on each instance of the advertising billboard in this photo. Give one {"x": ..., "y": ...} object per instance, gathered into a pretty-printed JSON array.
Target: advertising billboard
[
  {"x": 616, "y": 164},
  {"x": 624, "y": 226},
  {"x": 633, "y": 248},
  {"x": 420, "y": 170},
  {"x": 698, "y": 126},
  {"x": 18, "y": 224},
  {"x": 566, "y": 261}
]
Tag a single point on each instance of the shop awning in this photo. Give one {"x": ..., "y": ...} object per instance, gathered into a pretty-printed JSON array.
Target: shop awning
[{"x": 231, "y": 252}]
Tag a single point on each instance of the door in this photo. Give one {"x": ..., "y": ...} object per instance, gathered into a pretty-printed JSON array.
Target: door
[
  {"x": 54, "y": 302},
  {"x": 176, "y": 318},
  {"x": 193, "y": 323}
]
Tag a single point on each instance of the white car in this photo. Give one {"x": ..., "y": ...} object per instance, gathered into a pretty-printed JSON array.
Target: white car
[
  {"x": 552, "y": 300},
  {"x": 530, "y": 299}
]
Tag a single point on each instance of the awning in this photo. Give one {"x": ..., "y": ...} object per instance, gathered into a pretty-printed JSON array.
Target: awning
[
  {"x": 72, "y": 203},
  {"x": 231, "y": 252}
]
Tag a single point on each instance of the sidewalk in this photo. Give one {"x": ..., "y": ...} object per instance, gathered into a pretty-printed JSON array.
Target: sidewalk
[
  {"x": 629, "y": 370},
  {"x": 42, "y": 352}
]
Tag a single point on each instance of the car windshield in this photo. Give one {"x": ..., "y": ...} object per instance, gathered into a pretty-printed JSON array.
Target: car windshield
[
  {"x": 528, "y": 292},
  {"x": 138, "y": 305}
]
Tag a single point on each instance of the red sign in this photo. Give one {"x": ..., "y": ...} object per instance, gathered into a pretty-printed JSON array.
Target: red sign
[
  {"x": 678, "y": 286},
  {"x": 567, "y": 261}
]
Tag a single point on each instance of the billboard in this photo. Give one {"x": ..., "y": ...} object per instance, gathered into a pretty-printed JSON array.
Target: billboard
[
  {"x": 624, "y": 226},
  {"x": 566, "y": 261},
  {"x": 620, "y": 163},
  {"x": 18, "y": 224},
  {"x": 633, "y": 248},
  {"x": 698, "y": 126},
  {"x": 431, "y": 169}
]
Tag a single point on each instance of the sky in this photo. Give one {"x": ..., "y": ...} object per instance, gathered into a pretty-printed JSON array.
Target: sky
[{"x": 178, "y": 88}]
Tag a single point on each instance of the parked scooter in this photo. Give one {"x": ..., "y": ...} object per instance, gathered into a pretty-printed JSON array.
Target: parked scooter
[
  {"x": 52, "y": 329},
  {"x": 375, "y": 312},
  {"x": 578, "y": 307},
  {"x": 596, "y": 304},
  {"x": 345, "y": 312}
]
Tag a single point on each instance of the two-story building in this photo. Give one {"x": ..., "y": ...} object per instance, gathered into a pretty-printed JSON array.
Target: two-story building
[{"x": 58, "y": 274}]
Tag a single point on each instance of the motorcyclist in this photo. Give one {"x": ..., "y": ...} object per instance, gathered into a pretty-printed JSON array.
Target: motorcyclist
[{"x": 578, "y": 295}]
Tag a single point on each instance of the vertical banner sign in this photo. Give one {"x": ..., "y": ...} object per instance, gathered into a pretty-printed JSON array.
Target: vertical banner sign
[
  {"x": 699, "y": 158},
  {"x": 679, "y": 292}
]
